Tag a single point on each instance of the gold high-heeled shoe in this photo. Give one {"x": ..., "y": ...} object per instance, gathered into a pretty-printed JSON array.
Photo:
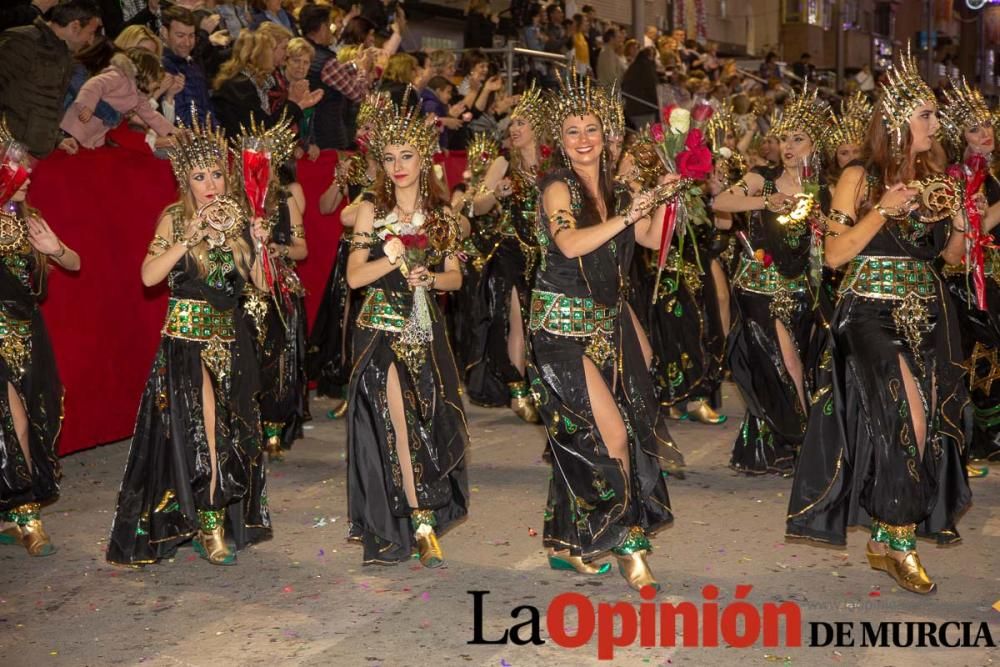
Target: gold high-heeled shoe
[
  {"x": 975, "y": 472},
  {"x": 339, "y": 411},
  {"x": 631, "y": 555},
  {"x": 428, "y": 547},
  {"x": 567, "y": 562},
  {"x": 909, "y": 573},
  {"x": 522, "y": 403},
  {"x": 704, "y": 413},
  {"x": 211, "y": 540},
  {"x": 28, "y": 531},
  {"x": 272, "y": 431}
]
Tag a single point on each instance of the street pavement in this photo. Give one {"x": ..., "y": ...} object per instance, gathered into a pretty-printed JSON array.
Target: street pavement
[{"x": 303, "y": 598}]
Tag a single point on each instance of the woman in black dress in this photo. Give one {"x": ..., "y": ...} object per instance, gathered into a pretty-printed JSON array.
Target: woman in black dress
[
  {"x": 194, "y": 468},
  {"x": 406, "y": 437},
  {"x": 889, "y": 419},
  {"x": 507, "y": 207},
  {"x": 586, "y": 366},
  {"x": 772, "y": 299},
  {"x": 31, "y": 406},
  {"x": 969, "y": 128}
]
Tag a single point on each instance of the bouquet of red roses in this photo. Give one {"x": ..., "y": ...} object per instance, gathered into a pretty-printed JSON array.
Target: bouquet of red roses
[{"x": 683, "y": 151}]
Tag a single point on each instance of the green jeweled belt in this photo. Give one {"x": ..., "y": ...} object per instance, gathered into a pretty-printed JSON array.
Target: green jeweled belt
[
  {"x": 892, "y": 278},
  {"x": 191, "y": 319},
  {"x": 573, "y": 316},
  {"x": 753, "y": 276},
  {"x": 377, "y": 313}
]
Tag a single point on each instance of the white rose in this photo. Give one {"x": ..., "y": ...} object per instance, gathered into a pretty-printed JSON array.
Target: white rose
[
  {"x": 418, "y": 219},
  {"x": 680, "y": 120},
  {"x": 725, "y": 153}
]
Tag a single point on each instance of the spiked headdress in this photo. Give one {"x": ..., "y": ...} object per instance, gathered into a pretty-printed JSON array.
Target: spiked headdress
[
  {"x": 614, "y": 112},
  {"x": 483, "y": 149},
  {"x": 804, "y": 112},
  {"x": 403, "y": 125},
  {"x": 278, "y": 139},
  {"x": 721, "y": 123},
  {"x": 901, "y": 94},
  {"x": 964, "y": 109},
  {"x": 851, "y": 125},
  {"x": 531, "y": 107},
  {"x": 197, "y": 147},
  {"x": 373, "y": 105},
  {"x": 577, "y": 97}
]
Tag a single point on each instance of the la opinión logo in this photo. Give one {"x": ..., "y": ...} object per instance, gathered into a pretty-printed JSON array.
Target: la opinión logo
[{"x": 738, "y": 624}]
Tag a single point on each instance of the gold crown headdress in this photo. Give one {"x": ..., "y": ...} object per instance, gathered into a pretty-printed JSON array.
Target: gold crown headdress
[
  {"x": 964, "y": 109},
  {"x": 5, "y": 134},
  {"x": 531, "y": 107},
  {"x": 851, "y": 125},
  {"x": 197, "y": 147},
  {"x": 483, "y": 149},
  {"x": 403, "y": 125},
  {"x": 721, "y": 123},
  {"x": 279, "y": 139},
  {"x": 804, "y": 112},
  {"x": 903, "y": 91},
  {"x": 576, "y": 97},
  {"x": 371, "y": 106}
]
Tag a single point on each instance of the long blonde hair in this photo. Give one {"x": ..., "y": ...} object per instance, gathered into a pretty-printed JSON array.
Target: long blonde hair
[
  {"x": 134, "y": 35},
  {"x": 253, "y": 52}
]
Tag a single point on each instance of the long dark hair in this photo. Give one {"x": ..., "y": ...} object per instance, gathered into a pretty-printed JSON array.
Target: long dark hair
[{"x": 385, "y": 191}]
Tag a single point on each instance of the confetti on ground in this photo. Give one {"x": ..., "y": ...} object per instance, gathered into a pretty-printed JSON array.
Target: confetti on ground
[
  {"x": 996, "y": 605},
  {"x": 425, "y": 596},
  {"x": 532, "y": 532},
  {"x": 286, "y": 589},
  {"x": 504, "y": 663}
]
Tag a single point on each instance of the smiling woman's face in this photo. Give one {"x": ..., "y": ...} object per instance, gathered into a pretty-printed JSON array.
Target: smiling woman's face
[{"x": 583, "y": 139}]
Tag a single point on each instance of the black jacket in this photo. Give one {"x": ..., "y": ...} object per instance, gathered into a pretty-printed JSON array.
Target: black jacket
[
  {"x": 237, "y": 99},
  {"x": 35, "y": 68}
]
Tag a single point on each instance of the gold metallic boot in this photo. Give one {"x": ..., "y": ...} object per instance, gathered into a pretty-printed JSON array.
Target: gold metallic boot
[
  {"x": 566, "y": 562},
  {"x": 909, "y": 574},
  {"x": 975, "y": 472},
  {"x": 272, "y": 431},
  {"x": 631, "y": 555},
  {"x": 703, "y": 412},
  {"x": 423, "y": 522},
  {"x": 339, "y": 411},
  {"x": 522, "y": 403},
  {"x": 211, "y": 540},
  {"x": 28, "y": 530}
]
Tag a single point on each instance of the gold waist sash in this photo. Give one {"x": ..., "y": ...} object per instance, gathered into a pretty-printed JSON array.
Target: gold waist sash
[{"x": 892, "y": 278}]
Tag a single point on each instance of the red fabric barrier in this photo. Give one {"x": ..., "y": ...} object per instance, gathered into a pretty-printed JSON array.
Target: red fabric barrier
[{"x": 104, "y": 324}]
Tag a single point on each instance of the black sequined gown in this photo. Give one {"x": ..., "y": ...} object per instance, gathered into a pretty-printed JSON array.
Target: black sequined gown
[
  {"x": 28, "y": 364},
  {"x": 578, "y": 310},
  {"x": 377, "y": 507},
  {"x": 168, "y": 472},
  {"x": 767, "y": 291},
  {"x": 509, "y": 262},
  {"x": 859, "y": 459},
  {"x": 980, "y": 331}
]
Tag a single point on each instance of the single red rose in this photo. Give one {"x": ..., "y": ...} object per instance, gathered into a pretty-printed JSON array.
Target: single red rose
[
  {"x": 421, "y": 241},
  {"x": 694, "y": 139},
  {"x": 656, "y": 131},
  {"x": 546, "y": 151},
  {"x": 666, "y": 111},
  {"x": 702, "y": 112},
  {"x": 955, "y": 171},
  {"x": 695, "y": 163}
]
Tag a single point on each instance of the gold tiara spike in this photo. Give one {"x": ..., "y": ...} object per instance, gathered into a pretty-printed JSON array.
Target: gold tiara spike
[
  {"x": 531, "y": 107},
  {"x": 576, "y": 97},
  {"x": 372, "y": 106},
  {"x": 903, "y": 91},
  {"x": 197, "y": 147},
  {"x": 403, "y": 125},
  {"x": 851, "y": 125},
  {"x": 5, "y": 134},
  {"x": 963, "y": 110},
  {"x": 614, "y": 111},
  {"x": 279, "y": 139},
  {"x": 483, "y": 149},
  {"x": 804, "y": 112}
]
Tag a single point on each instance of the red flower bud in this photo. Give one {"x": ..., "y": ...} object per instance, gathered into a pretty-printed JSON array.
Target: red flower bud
[
  {"x": 545, "y": 150},
  {"x": 656, "y": 131},
  {"x": 702, "y": 112}
]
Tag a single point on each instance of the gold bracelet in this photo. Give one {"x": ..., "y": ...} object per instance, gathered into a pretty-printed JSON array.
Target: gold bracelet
[{"x": 62, "y": 251}]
